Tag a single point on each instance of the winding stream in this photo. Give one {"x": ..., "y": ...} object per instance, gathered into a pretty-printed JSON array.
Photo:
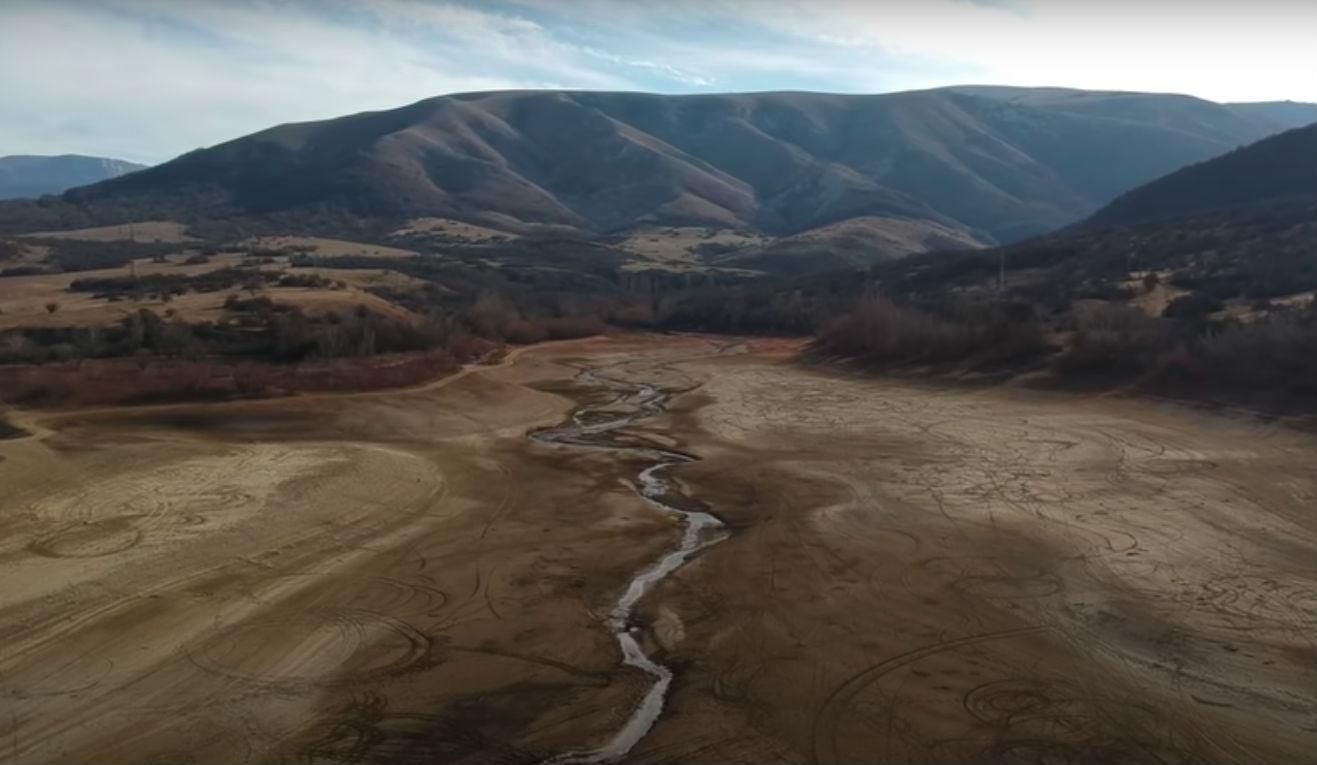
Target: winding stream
[{"x": 594, "y": 427}]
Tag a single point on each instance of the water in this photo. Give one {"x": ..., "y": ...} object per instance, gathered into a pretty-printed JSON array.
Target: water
[{"x": 700, "y": 530}]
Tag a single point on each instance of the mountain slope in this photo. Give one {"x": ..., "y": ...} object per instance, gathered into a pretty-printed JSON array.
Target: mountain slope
[
  {"x": 32, "y": 176},
  {"x": 1203, "y": 283},
  {"x": 1283, "y": 114},
  {"x": 1279, "y": 167},
  {"x": 980, "y": 165}
]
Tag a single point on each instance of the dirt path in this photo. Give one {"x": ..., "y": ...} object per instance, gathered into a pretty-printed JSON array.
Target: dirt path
[{"x": 912, "y": 575}]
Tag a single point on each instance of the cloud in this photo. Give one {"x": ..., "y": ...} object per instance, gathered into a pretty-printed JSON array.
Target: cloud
[
  {"x": 1215, "y": 49},
  {"x": 148, "y": 79}
]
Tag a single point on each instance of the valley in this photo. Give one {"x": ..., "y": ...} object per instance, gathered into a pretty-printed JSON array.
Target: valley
[
  {"x": 420, "y": 382},
  {"x": 907, "y": 571}
]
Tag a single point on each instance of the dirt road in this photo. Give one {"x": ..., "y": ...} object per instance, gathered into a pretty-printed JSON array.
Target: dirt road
[{"x": 912, "y": 574}]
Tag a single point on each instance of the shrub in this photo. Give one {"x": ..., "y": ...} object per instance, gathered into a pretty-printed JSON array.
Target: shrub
[
  {"x": 882, "y": 331},
  {"x": 1115, "y": 339},
  {"x": 1278, "y": 352},
  {"x": 1194, "y": 305}
]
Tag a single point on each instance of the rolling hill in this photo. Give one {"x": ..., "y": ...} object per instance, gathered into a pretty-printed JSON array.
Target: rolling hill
[
  {"x": 1280, "y": 167},
  {"x": 975, "y": 165},
  {"x": 26, "y": 176}
]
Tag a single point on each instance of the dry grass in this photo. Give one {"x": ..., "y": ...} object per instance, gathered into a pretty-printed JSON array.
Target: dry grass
[
  {"x": 28, "y": 254},
  {"x": 317, "y": 302},
  {"x": 1154, "y": 301},
  {"x": 452, "y": 229},
  {"x": 23, "y": 299},
  {"x": 677, "y": 245},
  {"x": 328, "y": 247},
  {"x": 893, "y": 235},
  {"x": 143, "y": 231},
  {"x": 367, "y": 277}
]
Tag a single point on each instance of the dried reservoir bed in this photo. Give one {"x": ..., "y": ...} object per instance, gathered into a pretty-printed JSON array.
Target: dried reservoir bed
[{"x": 909, "y": 573}]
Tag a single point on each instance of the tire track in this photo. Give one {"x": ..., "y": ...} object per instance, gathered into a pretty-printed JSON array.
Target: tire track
[{"x": 823, "y": 732}]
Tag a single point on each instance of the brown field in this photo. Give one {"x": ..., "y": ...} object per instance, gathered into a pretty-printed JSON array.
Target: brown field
[
  {"x": 453, "y": 229},
  {"x": 673, "y": 248},
  {"x": 913, "y": 574},
  {"x": 142, "y": 231},
  {"x": 328, "y": 247},
  {"x": 23, "y": 299}
]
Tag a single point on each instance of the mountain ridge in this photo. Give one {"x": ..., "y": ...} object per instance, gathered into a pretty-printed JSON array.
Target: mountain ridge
[
  {"x": 34, "y": 175},
  {"x": 988, "y": 168}
]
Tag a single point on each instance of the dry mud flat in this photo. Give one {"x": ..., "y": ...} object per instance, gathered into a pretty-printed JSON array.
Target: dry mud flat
[{"x": 912, "y": 574}]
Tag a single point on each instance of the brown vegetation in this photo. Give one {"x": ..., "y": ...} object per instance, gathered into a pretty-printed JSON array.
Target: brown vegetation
[{"x": 155, "y": 380}]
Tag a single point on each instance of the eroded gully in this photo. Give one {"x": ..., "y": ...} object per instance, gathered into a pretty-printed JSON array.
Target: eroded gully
[{"x": 596, "y": 428}]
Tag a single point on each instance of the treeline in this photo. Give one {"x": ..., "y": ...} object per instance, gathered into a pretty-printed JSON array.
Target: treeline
[
  {"x": 880, "y": 331},
  {"x": 164, "y": 285},
  {"x": 1271, "y": 356},
  {"x": 1070, "y": 304},
  {"x": 255, "y": 328},
  {"x": 1255, "y": 252}
]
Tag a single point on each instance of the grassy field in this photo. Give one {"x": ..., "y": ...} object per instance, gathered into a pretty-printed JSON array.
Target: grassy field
[
  {"x": 455, "y": 230},
  {"x": 25, "y": 300},
  {"x": 144, "y": 231},
  {"x": 679, "y": 248},
  {"x": 326, "y": 247}
]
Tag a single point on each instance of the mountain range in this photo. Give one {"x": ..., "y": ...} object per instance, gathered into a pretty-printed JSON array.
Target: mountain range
[
  {"x": 27, "y": 176},
  {"x": 882, "y": 175}
]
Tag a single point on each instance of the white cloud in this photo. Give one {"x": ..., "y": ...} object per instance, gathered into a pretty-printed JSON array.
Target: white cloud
[
  {"x": 147, "y": 79},
  {"x": 1220, "y": 50}
]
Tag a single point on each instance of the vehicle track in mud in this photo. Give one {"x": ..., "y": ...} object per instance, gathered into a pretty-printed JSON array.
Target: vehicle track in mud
[{"x": 917, "y": 574}]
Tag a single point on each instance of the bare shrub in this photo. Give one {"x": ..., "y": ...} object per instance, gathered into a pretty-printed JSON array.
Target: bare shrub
[
  {"x": 882, "y": 331},
  {"x": 1115, "y": 339},
  {"x": 1275, "y": 353}
]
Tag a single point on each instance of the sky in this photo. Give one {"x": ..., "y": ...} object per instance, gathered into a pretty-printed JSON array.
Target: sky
[{"x": 147, "y": 80}]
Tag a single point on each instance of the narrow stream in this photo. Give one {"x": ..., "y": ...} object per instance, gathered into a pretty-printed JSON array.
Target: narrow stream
[{"x": 593, "y": 427}]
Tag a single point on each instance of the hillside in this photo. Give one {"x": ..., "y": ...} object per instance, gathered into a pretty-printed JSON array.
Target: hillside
[
  {"x": 25, "y": 176},
  {"x": 971, "y": 165},
  {"x": 1285, "y": 114},
  {"x": 1111, "y": 299},
  {"x": 1279, "y": 167},
  {"x": 1201, "y": 282}
]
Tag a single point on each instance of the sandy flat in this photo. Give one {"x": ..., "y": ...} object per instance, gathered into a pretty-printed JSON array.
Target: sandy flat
[{"x": 914, "y": 574}]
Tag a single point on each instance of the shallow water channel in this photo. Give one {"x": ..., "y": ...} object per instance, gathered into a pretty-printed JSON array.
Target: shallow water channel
[{"x": 595, "y": 427}]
